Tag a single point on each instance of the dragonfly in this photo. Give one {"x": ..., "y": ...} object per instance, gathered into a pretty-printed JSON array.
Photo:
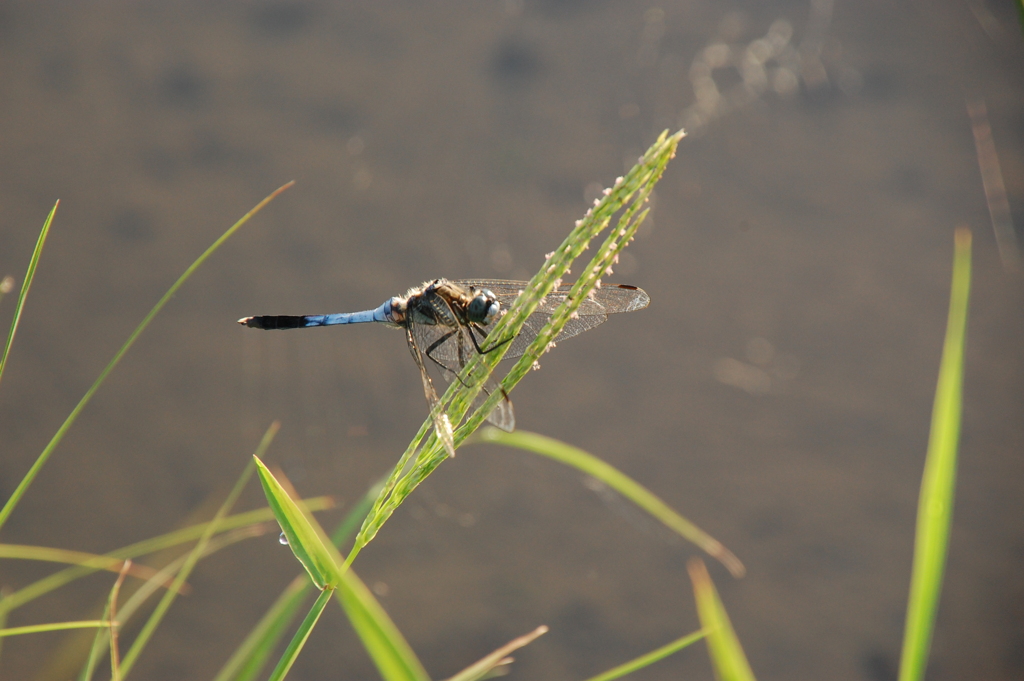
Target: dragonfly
[{"x": 447, "y": 321}]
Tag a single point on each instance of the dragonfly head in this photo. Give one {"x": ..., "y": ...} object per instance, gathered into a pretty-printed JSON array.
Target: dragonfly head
[{"x": 483, "y": 308}]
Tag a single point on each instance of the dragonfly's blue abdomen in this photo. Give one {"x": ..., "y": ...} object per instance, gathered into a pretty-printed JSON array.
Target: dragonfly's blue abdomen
[{"x": 382, "y": 314}]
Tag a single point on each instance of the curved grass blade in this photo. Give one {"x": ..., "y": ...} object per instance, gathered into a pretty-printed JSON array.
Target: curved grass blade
[
  {"x": 193, "y": 557},
  {"x": 651, "y": 657},
  {"x": 291, "y": 653},
  {"x": 59, "y": 435},
  {"x": 115, "y": 654},
  {"x": 56, "y": 626},
  {"x": 299, "y": 640},
  {"x": 618, "y": 481},
  {"x": 485, "y": 667},
  {"x": 58, "y": 579},
  {"x": 323, "y": 563},
  {"x": 391, "y": 653},
  {"x": 26, "y": 285},
  {"x": 628, "y": 195},
  {"x": 938, "y": 484},
  {"x": 92, "y": 560},
  {"x": 250, "y": 657},
  {"x": 142, "y": 594},
  {"x": 304, "y": 536},
  {"x": 724, "y": 647}
]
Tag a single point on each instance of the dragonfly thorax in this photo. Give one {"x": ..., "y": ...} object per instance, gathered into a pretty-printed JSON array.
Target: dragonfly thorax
[{"x": 395, "y": 310}]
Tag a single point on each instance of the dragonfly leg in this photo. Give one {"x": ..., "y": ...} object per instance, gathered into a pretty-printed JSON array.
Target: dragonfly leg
[
  {"x": 442, "y": 426},
  {"x": 483, "y": 334},
  {"x": 436, "y": 344}
]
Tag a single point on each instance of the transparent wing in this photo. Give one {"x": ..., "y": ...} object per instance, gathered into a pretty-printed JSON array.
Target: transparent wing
[
  {"x": 442, "y": 426},
  {"x": 609, "y": 299},
  {"x": 450, "y": 348}
]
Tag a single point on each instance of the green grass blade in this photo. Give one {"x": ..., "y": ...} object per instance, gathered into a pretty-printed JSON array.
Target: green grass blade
[
  {"x": 250, "y": 657},
  {"x": 99, "y": 642},
  {"x": 324, "y": 564},
  {"x": 650, "y": 658},
  {"x": 90, "y": 560},
  {"x": 727, "y": 657},
  {"x": 487, "y": 666},
  {"x": 56, "y": 626},
  {"x": 139, "y": 644},
  {"x": 391, "y": 653},
  {"x": 164, "y": 576},
  {"x": 618, "y": 481},
  {"x": 26, "y": 285},
  {"x": 938, "y": 484},
  {"x": 73, "y": 416},
  {"x": 186, "y": 534},
  {"x": 627, "y": 198},
  {"x": 305, "y": 538},
  {"x": 299, "y": 640}
]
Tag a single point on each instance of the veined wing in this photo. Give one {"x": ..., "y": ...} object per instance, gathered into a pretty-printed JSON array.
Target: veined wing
[
  {"x": 594, "y": 310},
  {"x": 442, "y": 426},
  {"x": 449, "y": 349}
]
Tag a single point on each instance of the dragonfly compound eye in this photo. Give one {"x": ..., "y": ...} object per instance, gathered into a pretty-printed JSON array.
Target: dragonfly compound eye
[{"x": 483, "y": 308}]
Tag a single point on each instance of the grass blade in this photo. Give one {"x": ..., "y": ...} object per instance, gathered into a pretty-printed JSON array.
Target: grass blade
[
  {"x": 500, "y": 657},
  {"x": 139, "y": 644},
  {"x": 115, "y": 654},
  {"x": 58, "y": 579},
  {"x": 26, "y": 285},
  {"x": 250, "y": 657},
  {"x": 56, "y": 626},
  {"x": 391, "y": 653},
  {"x": 651, "y": 657},
  {"x": 938, "y": 484},
  {"x": 724, "y": 647},
  {"x": 139, "y": 598},
  {"x": 618, "y": 481},
  {"x": 324, "y": 564},
  {"x": 299, "y": 640},
  {"x": 73, "y": 416},
  {"x": 91, "y": 560},
  {"x": 304, "y": 536}
]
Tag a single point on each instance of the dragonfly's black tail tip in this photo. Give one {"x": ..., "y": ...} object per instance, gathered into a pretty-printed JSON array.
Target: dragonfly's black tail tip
[{"x": 276, "y": 322}]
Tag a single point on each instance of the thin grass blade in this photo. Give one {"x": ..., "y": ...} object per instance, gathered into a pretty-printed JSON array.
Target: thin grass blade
[
  {"x": 181, "y": 536},
  {"x": 30, "y": 274},
  {"x": 391, "y": 653},
  {"x": 135, "y": 602},
  {"x": 727, "y": 657},
  {"x": 651, "y": 657},
  {"x": 486, "y": 666},
  {"x": 291, "y": 653},
  {"x": 115, "y": 652},
  {"x": 90, "y": 560},
  {"x": 938, "y": 484},
  {"x": 618, "y": 481},
  {"x": 44, "y": 456},
  {"x": 55, "y": 626},
  {"x": 248, "y": 660},
  {"x": 139, "y": 644}
]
